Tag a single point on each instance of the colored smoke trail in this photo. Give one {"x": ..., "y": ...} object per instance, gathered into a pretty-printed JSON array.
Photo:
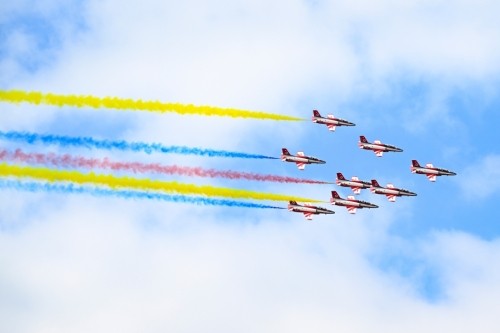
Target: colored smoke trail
[
  {"x": 51, "y": 175},
  {"x": 69, "y": 161},
  {"x": 33, "y": 97},
  {"x": 87, "y": 142},
  {"x": 127, "y": 194}
]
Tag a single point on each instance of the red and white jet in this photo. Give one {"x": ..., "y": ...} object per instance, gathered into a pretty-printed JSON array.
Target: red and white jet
[
  {"x": 355, "y": 184},
  {"x": 378, "y": 147},
  {"x": 390, "y": 191},
  {"x": 430, "y": 171},
  {"x": 330, "y": 121},
  {"x": 307, "y": 209},
  {"x": 300, "y": 159},
  {"x": 350, "y": 203}
]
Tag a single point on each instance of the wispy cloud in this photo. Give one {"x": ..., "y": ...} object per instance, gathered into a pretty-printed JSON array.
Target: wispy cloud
[
  {"x": 481, "y": 179},
  {"x": 80, "y": 264},
  {"x": 34, "y": 33}
]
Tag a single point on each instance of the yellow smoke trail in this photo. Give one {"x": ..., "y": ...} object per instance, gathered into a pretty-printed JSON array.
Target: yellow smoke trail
[
  {"x": 53, "y": 175},
  {"x": 33, "y": 97}
]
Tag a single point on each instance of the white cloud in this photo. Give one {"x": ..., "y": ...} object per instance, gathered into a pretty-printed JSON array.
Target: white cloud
[
  {"x": 482, "y": 179},
  {"x": 96, "y": 266},
  {"x": 430, "y": 37},
  {"x": 82, "y": 264}
]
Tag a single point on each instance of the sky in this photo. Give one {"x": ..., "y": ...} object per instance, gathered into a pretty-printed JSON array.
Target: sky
[{"x": 421, "y": 75}]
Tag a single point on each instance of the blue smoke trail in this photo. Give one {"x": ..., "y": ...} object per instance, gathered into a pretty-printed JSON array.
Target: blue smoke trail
[
  {"x": 67, "y": 141},
  {"x": 127, "y": 194}
]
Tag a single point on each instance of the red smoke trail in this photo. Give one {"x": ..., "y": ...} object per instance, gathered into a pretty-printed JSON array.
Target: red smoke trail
[{"x": 66, "y": 161}]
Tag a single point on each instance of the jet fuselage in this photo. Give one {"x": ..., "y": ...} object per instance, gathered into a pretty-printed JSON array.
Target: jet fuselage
[
  {"x": 392, "y": 192},
  {"x": 301, "y": 159},
  {"x": 309, "y": 209},
  {"x": 332, "y": 121},
  {"x": 379, "y": 147},
  {"x": 352, "y": 203},
  {"x": 429, "y": 170},
  {"x": 432, "y": 171},
  {"x": 353, "y": 183}
]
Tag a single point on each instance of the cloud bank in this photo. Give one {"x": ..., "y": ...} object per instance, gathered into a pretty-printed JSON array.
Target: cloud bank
[{"x": 83, "y": 264}]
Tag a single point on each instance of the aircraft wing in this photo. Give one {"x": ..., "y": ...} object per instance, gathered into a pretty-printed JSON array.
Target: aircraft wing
[
  {"x": 351, "y": 210},
  {"x": 391, "y": 197}
]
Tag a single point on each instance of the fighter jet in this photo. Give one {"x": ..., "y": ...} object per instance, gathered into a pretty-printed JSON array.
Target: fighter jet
[
  {"x": 307, "y": 209},
  {"x": 390, "y": 191},
  {"x": 430, "y": 171},
  {"x": 350, "y": 203},
  {"x": 300, "y": 159},
  {"x": 330, "y": 121},
  {"x": 378, "y": 147},
  {"x": 355, "y": 184}
]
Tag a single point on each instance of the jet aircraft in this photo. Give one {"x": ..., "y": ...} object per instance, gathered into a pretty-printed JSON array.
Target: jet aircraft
[
  {"x": 429, "y": 170},
  {"x": 330, "y": 121},
  {"x": 300, "y": 159},
  {"x": 355, "y": 184},
  {"x": 390, "y": 191},
  {"x": 350, "y": 203},
  {"x": 378, "y": 147},
  {"x": 307, "y": 209}
]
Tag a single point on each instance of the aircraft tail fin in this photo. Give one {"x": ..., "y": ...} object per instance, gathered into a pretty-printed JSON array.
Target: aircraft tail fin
[
  {"x": 285, "y": 151},
  {"x": 292, "y": 202},
  {"x": 340, "y": 176},
  {"x": 415, "y": 163},
  {"x": 375, "y": 183},
  {"x": 335, "y": 195},
  {"x": 316, "y": 113},
  {"x": 363, "y": 139}
]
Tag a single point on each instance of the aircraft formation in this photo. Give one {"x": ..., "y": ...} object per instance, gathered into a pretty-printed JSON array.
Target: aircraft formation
[
  {"x": 356, "y": 185},
  {"x": 70, "y": 173}
]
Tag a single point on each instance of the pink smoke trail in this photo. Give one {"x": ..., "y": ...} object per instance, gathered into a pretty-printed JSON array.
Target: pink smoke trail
[{"x": 70, "y": 161}]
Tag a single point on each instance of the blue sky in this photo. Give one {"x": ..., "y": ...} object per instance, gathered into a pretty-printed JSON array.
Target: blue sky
[{"x": 422, "y": 76}]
